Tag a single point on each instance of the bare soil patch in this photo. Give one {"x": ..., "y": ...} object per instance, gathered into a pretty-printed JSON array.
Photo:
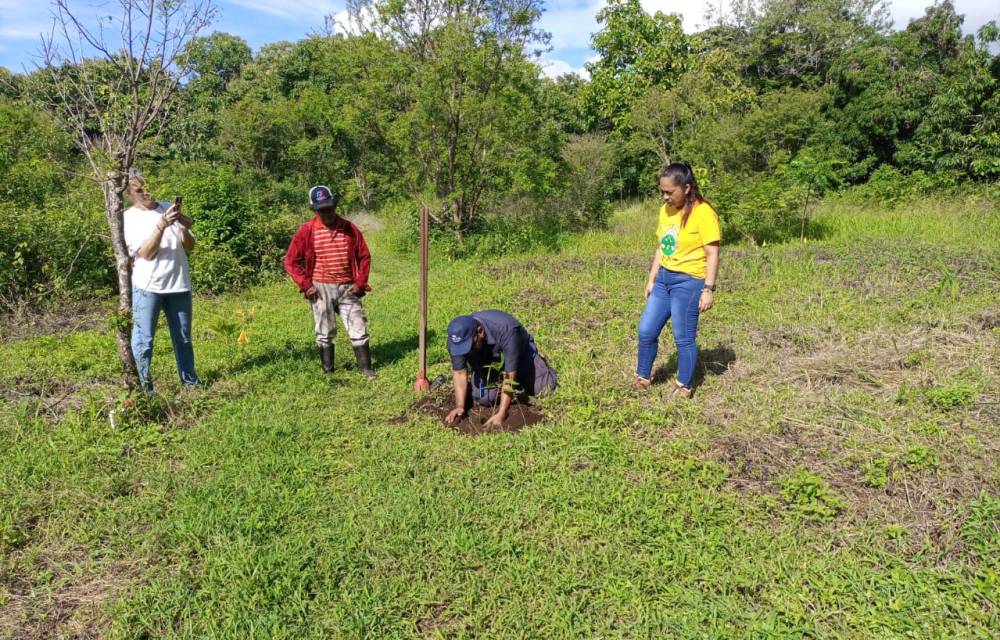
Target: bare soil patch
[
  {"x": 438, "y": 622},
  {"x": 988, "y": 321},
  {"x": 68, "y": 317},
  {"x": 439, "y": 404},
  {"x": 927, "y": 503},
  {"x": 554, "y": 266},
  {"x": 52, "y": 398}
]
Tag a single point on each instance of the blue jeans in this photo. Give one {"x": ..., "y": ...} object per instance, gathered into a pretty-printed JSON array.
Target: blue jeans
[
  {"x": 675, "y": 295},
  {"x": 146, "y": 307}
]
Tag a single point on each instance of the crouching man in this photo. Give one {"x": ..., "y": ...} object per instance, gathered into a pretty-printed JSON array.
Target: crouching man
[
  {"x": 329, "y": 261},
  {"x": 504, "y": 362}
]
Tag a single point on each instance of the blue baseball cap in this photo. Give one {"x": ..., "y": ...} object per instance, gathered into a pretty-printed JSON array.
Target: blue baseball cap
[
  {"x": 320, "y": 197},
  {"x": 461, "y": 330}
]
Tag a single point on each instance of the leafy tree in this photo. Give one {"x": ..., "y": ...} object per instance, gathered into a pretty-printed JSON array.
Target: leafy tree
[
  {"x": 214, "y": 61},
  {"x": 637, "y": 51},
  {"x": 563, "y": 102},
  {"x": 590, "y": 166},
  {"x": 792, "y": 43},
  {"x": 672, "y": 121},
  {"x": 254, "y": 135},
  {"x": 470, "y": 80},
  {"x": 329, "y": 121},
  {"x": 10, "y": 84},
  {"x": 920, "y": 98},
  {"x": 190, "y": 133},
  {"x": 781, "y": 123},
  {"x": 816, "y": 173}
]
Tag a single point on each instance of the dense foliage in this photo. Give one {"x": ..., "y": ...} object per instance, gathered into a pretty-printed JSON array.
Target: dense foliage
[{"x": 443, "y": 103}]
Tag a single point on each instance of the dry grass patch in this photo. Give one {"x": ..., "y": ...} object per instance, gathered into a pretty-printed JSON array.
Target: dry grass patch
[
  {"x": 874, "y": 416},
  {"x": 63, "y": 595}
]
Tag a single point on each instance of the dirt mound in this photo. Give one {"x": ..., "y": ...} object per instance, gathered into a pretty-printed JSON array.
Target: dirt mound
[
  {"x": 72, "y": 316},
  {"x": 474, "y": 423}
]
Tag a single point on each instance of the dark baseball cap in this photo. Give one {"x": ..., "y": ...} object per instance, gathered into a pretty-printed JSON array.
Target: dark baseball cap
[
  {"x": 460, "y": 333},
  {"x": 320, "y": 197}
]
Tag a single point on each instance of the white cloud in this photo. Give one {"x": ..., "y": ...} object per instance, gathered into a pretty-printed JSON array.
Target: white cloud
[
  {"x": 571, "y": 23},
  {"x": 692, "y": 12},
  {"x": 348, "y": 24},
  {"x": 553, "y": 68},
  {"x": 977, "y": 12}
]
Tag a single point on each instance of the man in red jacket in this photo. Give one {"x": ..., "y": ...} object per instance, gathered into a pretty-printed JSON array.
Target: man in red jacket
[{"x": 329, "y": 261}]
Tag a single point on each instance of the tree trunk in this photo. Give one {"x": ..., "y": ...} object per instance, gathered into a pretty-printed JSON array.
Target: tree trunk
[
  {"x": 363, "y": 192},
  {"x": 114, "y": 186},
  {"x": 805, "y": 214}
]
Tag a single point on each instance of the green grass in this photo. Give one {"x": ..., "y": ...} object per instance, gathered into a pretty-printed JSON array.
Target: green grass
[{"x": 834, "y": 476}]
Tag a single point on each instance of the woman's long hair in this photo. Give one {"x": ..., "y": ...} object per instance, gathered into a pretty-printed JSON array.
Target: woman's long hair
[{"x": 682, "y": 174}]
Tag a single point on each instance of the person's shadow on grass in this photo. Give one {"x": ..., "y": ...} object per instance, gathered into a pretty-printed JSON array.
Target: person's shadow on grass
[
  {"x": 714, "y": 362},
  {"x": 384, "y": 354}
]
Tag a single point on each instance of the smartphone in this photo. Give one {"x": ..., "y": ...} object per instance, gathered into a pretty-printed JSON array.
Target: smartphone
[{"x": 177, "y": 202}]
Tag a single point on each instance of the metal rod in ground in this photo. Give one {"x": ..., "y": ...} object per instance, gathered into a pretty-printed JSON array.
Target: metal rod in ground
[{"x": 422, "y": 384}]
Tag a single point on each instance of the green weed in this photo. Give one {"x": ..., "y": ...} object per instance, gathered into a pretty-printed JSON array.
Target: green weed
[
  {"x": 920, "y": 457},
  {"x": 810, "y": 496},
  {"x": 953, "y": 396},
  {"x": 877, "y": 472},
  {"x": 981, "y": 530}
]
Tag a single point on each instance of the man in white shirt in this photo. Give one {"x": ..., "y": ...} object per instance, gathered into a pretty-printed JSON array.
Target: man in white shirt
[{"x": 158, "y": 239}]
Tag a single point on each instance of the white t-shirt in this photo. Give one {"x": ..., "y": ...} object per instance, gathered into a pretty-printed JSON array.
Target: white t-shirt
[{"x": 168, "y": 271}]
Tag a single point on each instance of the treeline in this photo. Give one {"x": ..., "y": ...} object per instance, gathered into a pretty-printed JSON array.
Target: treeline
[{"x": 443, "y": 103}]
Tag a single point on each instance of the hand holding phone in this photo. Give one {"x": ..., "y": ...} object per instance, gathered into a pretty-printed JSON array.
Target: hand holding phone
[{"x": 183, "y": 219}]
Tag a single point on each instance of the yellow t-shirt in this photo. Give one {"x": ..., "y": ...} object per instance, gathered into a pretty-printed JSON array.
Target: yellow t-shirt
[{"x": 683, "y": 250}]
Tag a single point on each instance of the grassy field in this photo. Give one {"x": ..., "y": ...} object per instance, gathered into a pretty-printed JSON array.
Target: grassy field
[{"x": 835, "y": 476}]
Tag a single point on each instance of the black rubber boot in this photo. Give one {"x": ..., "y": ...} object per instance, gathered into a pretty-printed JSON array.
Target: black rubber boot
[
  {"x": 364, "y": 357},
  {"x": 326, "y": 357}
]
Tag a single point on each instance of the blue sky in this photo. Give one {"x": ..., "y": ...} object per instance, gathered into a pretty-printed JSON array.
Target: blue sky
[{"x": 571, "y": 23}]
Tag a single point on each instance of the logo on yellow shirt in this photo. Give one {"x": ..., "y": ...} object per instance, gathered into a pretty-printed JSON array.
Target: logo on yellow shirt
[{"x": 668, "y": 243}]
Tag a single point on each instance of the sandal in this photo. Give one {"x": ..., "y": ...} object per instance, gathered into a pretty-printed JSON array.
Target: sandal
[
  {"x": 640, "y": 383},
  {"x": 682, "y": 392}
]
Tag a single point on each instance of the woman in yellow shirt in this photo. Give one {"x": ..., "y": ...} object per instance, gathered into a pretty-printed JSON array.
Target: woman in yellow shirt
[{"x": 681, "y": 280}]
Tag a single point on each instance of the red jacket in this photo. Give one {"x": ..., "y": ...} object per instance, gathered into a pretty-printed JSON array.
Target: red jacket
[{"x": 300, "y": 260}]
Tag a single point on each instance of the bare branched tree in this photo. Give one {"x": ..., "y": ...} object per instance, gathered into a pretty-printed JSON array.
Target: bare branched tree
[{"x": 111, "y": 85}]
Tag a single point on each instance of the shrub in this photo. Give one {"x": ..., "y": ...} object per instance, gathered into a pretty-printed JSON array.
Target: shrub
[
  {"x": 54, "y": 250},
  {"x": 585, "y": 201},
  {"x": 763, "y": 208},
  {"x": 242, "y": 230},
  {"x": 500, "y": 235},
  {"x": 890, "y": 187},
  {"x": 514, "y": 226}
]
